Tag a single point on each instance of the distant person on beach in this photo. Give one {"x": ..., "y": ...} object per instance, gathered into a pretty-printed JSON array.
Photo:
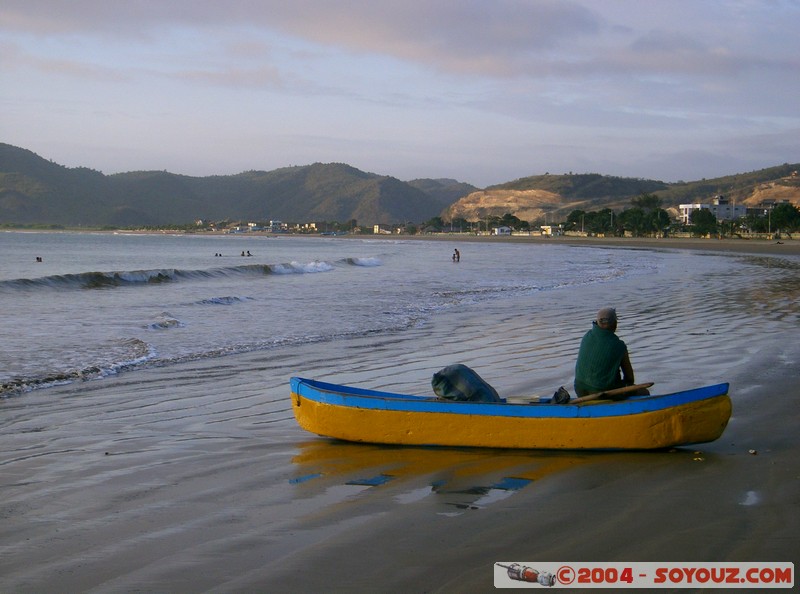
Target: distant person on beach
[
  {"x": 603, "y": 361},
  {"x": 456, "y": 256}
]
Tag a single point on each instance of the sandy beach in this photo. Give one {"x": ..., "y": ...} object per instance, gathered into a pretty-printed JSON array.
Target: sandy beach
[{"x": 195, "y": 477}]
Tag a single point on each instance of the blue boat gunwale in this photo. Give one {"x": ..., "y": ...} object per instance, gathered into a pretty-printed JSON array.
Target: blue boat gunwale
[{"x": 353, "y": 397}]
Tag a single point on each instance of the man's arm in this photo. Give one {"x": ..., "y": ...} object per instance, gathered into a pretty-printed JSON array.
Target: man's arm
[{"x": 627, "y": 370}]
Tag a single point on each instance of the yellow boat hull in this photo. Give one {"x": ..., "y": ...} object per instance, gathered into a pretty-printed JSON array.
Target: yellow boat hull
[{"x": 691, "y": 422}]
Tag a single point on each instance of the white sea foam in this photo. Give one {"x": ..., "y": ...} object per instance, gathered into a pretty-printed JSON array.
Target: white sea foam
[
  {"x": 750, "y": 498},
  {"x": 165, "y": 321},
  {"x": 301, "y": 267},
  {"x": 365, "y": 261}
]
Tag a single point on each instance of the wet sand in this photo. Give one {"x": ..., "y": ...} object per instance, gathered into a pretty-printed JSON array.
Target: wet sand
[
  {"x": 195, "y": 478},
  {"x": 744, "y": 246}
]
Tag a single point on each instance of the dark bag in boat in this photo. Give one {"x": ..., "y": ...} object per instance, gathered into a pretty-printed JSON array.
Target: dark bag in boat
[{"x": 459, "y": 382}]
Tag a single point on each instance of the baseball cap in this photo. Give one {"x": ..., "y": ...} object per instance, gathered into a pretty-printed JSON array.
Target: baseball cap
[{"x": 607, "y": 313}]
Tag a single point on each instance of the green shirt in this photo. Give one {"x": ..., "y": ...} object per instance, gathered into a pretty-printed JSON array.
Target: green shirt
[{"x": 599, "y": 359}]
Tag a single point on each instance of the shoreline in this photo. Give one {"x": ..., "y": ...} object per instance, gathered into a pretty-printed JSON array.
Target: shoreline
[
  {"x": 782, "y": 247},
  {"x": 786, "y": 246}
]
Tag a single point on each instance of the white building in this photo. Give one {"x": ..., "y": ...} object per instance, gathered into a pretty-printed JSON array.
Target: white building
[
  {"x": 501, "y": 230},
  {"x": 720, "y": 207},
  {"x": 551, "y": 230}
]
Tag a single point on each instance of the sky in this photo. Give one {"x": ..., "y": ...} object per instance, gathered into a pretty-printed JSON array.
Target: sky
[{"x": 482, "y": 91}]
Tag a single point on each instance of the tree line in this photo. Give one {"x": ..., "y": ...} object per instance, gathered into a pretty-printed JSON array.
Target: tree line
[{"x": 645, "y": 217}]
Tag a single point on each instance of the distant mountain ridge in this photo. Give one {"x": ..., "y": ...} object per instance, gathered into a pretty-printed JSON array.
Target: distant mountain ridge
[{"x": 34, "y": 190}]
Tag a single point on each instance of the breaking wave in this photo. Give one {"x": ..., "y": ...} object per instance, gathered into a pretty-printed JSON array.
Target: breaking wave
[
  {"x": 110, "y": 359},
  {"x": 363, "y": 261},
  {"x": 300, "y": 267},
  {"x": 106, "y": 280},
  {"x": 165, "y": 321},
  {"x": 229, "y": 300}
]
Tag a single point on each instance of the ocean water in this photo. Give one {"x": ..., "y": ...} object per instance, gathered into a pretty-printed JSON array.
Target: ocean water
[
  {"x": 147, "y": 437},
  {"x": 98, "y": 305}
]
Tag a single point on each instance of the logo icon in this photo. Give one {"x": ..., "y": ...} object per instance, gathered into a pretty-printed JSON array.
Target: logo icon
[{"x": 523, "y": 573}]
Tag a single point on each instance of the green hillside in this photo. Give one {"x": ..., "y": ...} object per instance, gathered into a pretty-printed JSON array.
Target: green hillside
[
  {"x": 444, "y": 191},
  {"x": 35, "y": 191},
  {"x": 585, "y": 186},
  {"x": 736, "y": 187}
]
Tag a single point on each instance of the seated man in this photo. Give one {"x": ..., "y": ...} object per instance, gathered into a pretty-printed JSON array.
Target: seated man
[{"x": 603, "y": 362}]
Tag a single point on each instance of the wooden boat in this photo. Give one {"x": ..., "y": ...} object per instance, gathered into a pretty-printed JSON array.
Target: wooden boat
[{"x": 640, "y": 422}]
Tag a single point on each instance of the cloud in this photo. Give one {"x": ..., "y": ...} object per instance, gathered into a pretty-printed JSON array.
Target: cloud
[
  {"x": 474, "y": 37},
  {"x": 490, "y": 38},
  {"x": 504, "y": 38},
  {"x": 16, "y": 58},
  {"x": 394, "y": 85}
]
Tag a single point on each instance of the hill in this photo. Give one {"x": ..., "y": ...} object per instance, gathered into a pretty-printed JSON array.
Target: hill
[
  {"x": 444, "y": 191},
  {"x": 555, "y": 196},
  {"x": 34, "y": 190}
]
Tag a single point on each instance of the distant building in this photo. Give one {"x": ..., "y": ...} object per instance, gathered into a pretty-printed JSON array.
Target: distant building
[
  {"x": 551, "y": 230},
  {"x": 501, "y": 230},
  {"x": 720, "y": 207},
  {"x": 381, "y": 230}
]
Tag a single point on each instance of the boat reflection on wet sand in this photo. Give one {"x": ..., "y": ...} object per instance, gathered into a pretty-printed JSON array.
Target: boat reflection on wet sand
[{"x": 452, "y": 480}]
